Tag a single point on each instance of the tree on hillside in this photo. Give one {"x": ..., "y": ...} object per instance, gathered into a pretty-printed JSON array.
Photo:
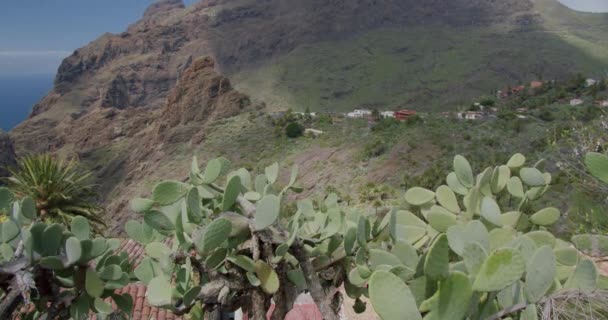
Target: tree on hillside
[
  {"x": 294, "y": 130},
  {"x": 60, "y": 190}
]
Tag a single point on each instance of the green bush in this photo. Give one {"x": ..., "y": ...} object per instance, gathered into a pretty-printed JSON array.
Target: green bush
[{"x": 294, "y": 130}]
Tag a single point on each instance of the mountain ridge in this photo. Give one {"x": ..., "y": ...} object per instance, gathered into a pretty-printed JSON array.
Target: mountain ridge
[{"x": 132, "y": 105}]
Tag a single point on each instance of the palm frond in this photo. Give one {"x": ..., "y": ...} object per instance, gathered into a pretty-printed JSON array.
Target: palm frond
[{"x": 60, "y": 189}]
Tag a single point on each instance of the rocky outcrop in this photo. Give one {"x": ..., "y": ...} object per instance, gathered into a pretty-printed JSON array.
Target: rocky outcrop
[
  {"x": 117, "y": 95},
  {"x": 201, "y": 95},
  {"x": 7, "y": 154}
]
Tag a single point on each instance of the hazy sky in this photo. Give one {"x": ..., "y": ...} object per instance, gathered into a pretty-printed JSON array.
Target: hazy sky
[
  {"x": 35, "y": 35},
  {"x": 587, "y": 5}
]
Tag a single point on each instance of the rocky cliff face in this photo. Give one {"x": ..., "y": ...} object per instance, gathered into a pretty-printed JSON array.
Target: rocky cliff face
[{"x": 7, "y": 154}]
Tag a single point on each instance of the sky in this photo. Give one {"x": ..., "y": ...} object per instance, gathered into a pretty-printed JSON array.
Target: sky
[
  {"x": 587, "y": 5},
  {"x": 35, "y": 35}
]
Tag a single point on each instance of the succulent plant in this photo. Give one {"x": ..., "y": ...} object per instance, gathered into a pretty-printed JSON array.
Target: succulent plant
[{"x": 475, "y": 248}]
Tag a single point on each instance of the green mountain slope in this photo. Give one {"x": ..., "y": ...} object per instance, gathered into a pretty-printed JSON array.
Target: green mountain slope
[{"x": 428, "y": 68}]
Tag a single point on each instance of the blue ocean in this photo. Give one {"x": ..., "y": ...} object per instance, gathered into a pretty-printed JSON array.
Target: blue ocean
[{"x": 18, "y": 93}]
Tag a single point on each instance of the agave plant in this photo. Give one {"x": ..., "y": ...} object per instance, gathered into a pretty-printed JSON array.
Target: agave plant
[{"x": 59, "y": 189}]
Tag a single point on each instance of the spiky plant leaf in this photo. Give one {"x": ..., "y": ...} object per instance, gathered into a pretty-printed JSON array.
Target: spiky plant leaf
[
  {"x": 10, "y": 230},
  {"x": 60, "y": 190},
  {"x": 379, "y": 258},
  {"x": 515, "y": 187},
  {"x": 447, "y": 199},
  {"x": 597, "y": 164},
  {"x": 159, "y": 222},
  {"x": 517, "y": 161},
  {"x": 463, "y": 171},
  {"x": 500, "y": 178},
  {"x": 141, "y": 205},
  {"x": 545, "y": 217},
  {"x": 6, "y": 251},
  {"x": 540, "y": 273},
  {"x": 111, "y": 272},
  {"x": 594, "y": 245},
  {"x": 532, "y": 177},
  {"x": 73, "y": 250},
  {"x": 441, "y": 219},
  {"x": 102, "y": 307},
  {"x": 491, "y": 211},
  {"x": 419, "y": 196},
  {"x": 158, "y": 294},
  {"x": 436, "y": 265},
  {"x": 269, "y": 280},
  {"x": 124, "y": 302},
  {"x": 272, "y": 173},
  {"x": 474, "y": 255},
  {"x": 93, "y": 284},
  {"x": 391, "y": 297},
  {"x": 584, "y": 277},
  {"x": 267, "y": 212},
  {"x": 215, "y": 234},
  {"x": 244, "y": 262},
  {"x": 28, "y": 208},
  {"x": 233, "y": 189},
  {"x": 501, "y": 269},
  {"x": 168, "y": 192},
  {"x": 566, "y": 256},
  {"x": 542, "y": 238},
  {"x": 80, "y": 228},
  {"x": 213, "y": 170},
  {"x": 6, "y": 198},
  {"x": 454, "y": 184},
  {"x": 455, "y": 294},
  {"x": 193, "y": 206},
  {"x": 460, "y": 235},
  {"x": 51, "y": 238}
]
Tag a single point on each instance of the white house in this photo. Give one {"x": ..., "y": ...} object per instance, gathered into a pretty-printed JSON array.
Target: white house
[
  {"x": 590, "y": 82},
  {"x": 313, "y": 132},
  {"x": 576, "y": 102},
  {"x": 604, "y": 104},
  {"x": 359, "y": 113},
  {"x": 471, "y": 115},
  {"x": 303, "y": 114},
  {"x": 388, "y": 114}
]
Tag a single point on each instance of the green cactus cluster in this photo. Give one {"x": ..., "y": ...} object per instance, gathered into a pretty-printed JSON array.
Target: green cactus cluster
[
  {"x": 475, "y": 248},
  {"x": 62, "y": 263},
  {"x": 485, "y": 247}
]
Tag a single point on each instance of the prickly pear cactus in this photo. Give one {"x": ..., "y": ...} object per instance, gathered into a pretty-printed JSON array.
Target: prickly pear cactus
[
  {"x": 62, "y": 270},
  {"x": 485, "y": 248}
]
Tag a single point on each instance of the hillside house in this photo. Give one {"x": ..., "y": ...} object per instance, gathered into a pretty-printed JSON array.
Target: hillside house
[
  {"x": 471, "y": 115},
  {"x": 404, "y": 115},
  {"x": 603, "y": 104},
  {"x": 359, "y": 113},
  {"x": 387, "y": 114},
  {"x": 590, "y": 82},
  {"x": 536, "y": 84},
  {"x": 503, "y": 94},
  {"x": 576, "y": 102},
  {"x": 303, "y": 114},
  {"x": 313, "y": 132}
]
